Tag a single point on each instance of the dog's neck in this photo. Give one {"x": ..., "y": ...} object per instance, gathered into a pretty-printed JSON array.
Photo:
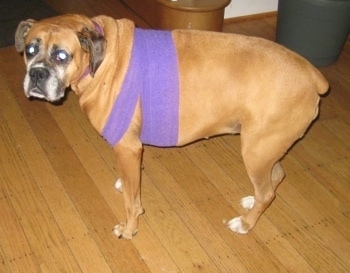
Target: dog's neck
[{"x": 87, "y": 70}]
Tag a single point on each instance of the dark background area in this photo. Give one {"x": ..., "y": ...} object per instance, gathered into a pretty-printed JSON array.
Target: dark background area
[{"x": 14, "y": 11}]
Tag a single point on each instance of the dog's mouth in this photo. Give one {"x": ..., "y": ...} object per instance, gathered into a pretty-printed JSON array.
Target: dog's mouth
[{"x": 37, "y": 93}]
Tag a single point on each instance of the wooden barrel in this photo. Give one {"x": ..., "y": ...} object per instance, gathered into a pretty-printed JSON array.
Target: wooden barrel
[{"x": 191, "y": 14}]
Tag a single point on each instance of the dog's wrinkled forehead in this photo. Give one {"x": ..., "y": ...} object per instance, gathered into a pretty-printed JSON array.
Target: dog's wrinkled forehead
[
  {"x": 60, "y": 28},
  {"x": 44, "y": 41}
]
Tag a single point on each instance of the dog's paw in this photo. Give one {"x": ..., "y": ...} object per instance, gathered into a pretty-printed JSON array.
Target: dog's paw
[
  {"x": 119, "y": 185},
  {"x": 236, "y": 225},
  {"x": 121, "y": 232},
  {"x": 247, "y": 202}
]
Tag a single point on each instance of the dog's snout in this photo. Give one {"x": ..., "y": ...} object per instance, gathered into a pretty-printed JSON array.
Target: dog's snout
[{"x": 38, "y": 74}]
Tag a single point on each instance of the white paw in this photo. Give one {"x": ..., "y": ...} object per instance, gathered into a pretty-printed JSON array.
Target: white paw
[
  {"x": 117, "y": 231},
  {"x": 247, "y": 202},
  {"x": 236, "y": 225},
  {"x": 119, "y": 185},
  {"x": 122, "y": 233}
]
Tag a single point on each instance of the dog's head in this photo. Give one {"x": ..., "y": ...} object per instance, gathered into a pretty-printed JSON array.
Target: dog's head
[{"x": 58, "y": 51}]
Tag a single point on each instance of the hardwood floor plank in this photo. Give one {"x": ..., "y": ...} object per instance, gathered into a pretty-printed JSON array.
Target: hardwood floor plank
[
  {"x": 16, "y": 253},
  {"x": 31, "y": 209},
  {"x": 170, "y": 230},
  {"x": 55, "y": 195},
  {"x": 340, "y": 233},
  {"x": 194, "y": 209},
  {"x": 336, "y": 213},
  {"x": 4, "y": 266},
  {"x": 44, "y": 237},
  {"x": 304, "y": 238},
  {"x": 323, "y": 152},
  {"x": 280, "y": 248},
  {"x": 316, "y": 162},
  {"x": 251, "y": 28},
  {"x": 314, "y": 218},
  {"x": 340, "y": 129}
]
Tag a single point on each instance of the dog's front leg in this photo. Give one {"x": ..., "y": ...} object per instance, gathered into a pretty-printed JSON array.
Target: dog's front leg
[{"x": 129, "y": 165}]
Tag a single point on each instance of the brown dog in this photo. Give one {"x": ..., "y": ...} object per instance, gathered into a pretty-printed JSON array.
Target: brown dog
[{"x": 171, "y": 88}]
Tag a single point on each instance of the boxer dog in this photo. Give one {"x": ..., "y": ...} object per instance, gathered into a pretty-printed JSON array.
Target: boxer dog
[{"x": 170, "y": 88}]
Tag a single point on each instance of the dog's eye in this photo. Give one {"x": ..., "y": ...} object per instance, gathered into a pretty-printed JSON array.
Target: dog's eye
[
  {"x": 61, "y": 56},
  {"x": 32, "y": 50}
]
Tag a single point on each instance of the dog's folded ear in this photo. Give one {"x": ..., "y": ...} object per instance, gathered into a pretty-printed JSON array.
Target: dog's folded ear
[
  {"x": 95, "y": 44},
  {"x": 21, "y": 33}
]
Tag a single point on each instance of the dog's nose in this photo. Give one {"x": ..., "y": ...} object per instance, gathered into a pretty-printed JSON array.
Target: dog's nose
[{"x": 38, "y": 74}]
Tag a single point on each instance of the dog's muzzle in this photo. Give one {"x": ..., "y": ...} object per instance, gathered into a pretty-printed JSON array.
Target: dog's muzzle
[
  {"x": 38, "y": 77},
  {"x": 38, "y": 74},
  {"x": 42, "y": 82}
]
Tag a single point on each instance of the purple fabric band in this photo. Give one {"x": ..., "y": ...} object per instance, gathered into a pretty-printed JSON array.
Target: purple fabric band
[{"x": 153, "y": 77}]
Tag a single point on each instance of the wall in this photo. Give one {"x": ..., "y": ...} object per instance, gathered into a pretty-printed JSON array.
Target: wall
[{"x": 247, "y": 7}]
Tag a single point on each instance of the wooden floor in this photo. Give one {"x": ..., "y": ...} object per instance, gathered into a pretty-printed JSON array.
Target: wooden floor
[{"x": 58, "y": 205}]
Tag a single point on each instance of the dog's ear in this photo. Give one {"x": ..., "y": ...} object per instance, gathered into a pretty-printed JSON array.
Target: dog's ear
[
  {"x": 21, "y": 33},
  {"x": 95, "y": 44}
]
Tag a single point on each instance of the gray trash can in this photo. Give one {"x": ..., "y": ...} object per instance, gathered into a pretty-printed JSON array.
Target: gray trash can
[{"x": 315, "y": 29}]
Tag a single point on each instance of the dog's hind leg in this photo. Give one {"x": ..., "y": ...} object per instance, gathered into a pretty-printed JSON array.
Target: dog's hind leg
[
  {"x": 129, "y": 162},
  {"x": 266, "y": 173},
  {"x": 265, "y": 141},
  {"x": 277, "y": 176}
]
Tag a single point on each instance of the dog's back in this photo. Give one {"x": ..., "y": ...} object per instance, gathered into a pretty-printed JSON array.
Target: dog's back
[{"x": 234, "y": 79}]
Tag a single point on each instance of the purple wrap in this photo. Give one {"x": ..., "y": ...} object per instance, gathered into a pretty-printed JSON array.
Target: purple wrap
[{"x": 153, "y": 77}]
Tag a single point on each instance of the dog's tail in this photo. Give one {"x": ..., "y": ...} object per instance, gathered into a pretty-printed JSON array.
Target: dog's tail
[{"x": 322, "y": 83}]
